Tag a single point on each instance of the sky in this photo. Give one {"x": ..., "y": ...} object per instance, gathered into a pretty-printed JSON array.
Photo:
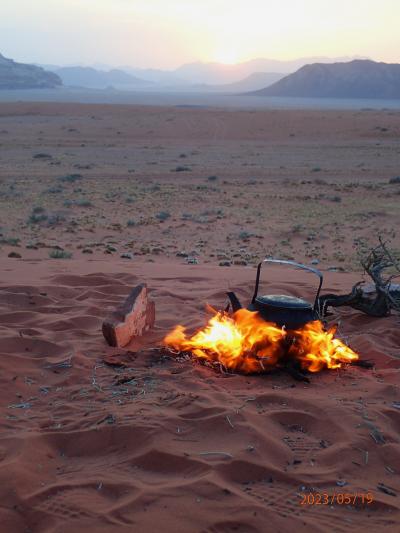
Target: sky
[{"x": 167, "y": 33}]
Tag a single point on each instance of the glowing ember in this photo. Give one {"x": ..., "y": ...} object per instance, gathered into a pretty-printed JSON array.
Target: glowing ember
[{"x": 244, "y": 342}]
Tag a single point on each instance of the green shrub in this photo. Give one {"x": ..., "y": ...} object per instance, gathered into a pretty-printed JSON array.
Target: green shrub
[{"x": 59, "y": 254}]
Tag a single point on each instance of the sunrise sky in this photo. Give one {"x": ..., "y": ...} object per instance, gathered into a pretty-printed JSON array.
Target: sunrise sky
[{"x": 167, "y": 33}]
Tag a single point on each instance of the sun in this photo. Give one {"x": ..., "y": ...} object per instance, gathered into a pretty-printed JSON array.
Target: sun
[{"x": 227, "y": 56}]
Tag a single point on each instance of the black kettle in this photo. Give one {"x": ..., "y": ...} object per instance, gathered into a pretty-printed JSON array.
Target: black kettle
[{"x": 288, "y": 311}]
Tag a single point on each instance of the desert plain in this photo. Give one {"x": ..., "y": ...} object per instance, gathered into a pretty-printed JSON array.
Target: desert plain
[{"x": 95, "y": 199}]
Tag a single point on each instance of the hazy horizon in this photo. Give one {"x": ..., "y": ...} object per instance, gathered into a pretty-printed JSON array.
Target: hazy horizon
[{"x": 151, "y": 34}]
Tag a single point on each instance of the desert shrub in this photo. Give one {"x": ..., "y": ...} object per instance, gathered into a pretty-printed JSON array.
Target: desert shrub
[
  {"x": 42, "y": 155},
  {"x": 70, "y": 178},
  {"x": 82, "y": 202},
  {"x": 59, "y": 254},
  {"x": 38, "y": 215},
  {"x": 11, "y": 241},
  {"x": 163, "y": 215},
  {"x": 244, "y": 235},
  {"x": 56, "y": 189},
  {"x": 55, "y": 219}
]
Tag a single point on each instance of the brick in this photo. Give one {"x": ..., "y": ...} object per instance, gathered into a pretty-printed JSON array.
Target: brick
[{"x": 131, "y": 319}]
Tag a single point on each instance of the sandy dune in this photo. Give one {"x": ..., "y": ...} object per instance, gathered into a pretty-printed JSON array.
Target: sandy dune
[{"x": 163, "y": 445}]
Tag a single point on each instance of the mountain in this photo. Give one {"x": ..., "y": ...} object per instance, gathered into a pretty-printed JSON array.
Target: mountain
[
  {"x": 254, "y": 81},
  {"x": 165, "y": 78},
  {"x": 21, "y": 76},
  {"x": 354, "y": 79},
  {"x": 99, "y": 79},
  {"x": 219, "y": 73}
]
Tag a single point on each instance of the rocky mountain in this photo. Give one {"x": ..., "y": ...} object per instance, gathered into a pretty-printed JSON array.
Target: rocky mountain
[
  {"x": 218, "y": 73},
  {"x": 21, "y": 76},
  {"x": 353, "y": 79},
  {"x": 252, "y": 82},
  {"x": 99, "y": 79}
]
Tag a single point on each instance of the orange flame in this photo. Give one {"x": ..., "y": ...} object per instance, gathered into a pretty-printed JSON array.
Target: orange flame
[{"x": 244, "y": 342}]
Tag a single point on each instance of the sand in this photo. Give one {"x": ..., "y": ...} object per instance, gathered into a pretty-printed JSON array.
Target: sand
[
  {"x": 101, "y": 439},
  {"x": 210, "y": 185}
]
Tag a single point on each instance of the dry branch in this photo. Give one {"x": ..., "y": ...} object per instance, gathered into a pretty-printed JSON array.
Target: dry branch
[{"x": 377, "y": 299}]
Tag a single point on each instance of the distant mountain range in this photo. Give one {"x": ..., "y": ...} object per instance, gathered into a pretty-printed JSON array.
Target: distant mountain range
[
  {"x": 217, "y": 73},
  {"x": 202, "y": 76},
  {"x": 21, "y": 76},
  {"x": 99, "y": 79},
  {"x": 354, "y": 79},
  {"x": 359, "y": 78}
]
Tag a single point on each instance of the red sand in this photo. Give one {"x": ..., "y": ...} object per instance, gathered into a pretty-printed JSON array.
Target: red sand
[{"x": 80, "y": 452}]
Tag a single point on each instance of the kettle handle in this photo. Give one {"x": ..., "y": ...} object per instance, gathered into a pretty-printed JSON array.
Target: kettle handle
[{"x": 292, "y": 263}]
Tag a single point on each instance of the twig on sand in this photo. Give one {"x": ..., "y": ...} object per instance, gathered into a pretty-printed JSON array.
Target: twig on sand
[
  {"x": 229, "y": 421},
  {"x": 365, "y": 452},
  {"x": 386, "y": 490},
  {"x": 62, "y": 364},
  {"x": 94, "y": 377},
  {"x": 223, "y": 454},
  {"x": 244, "y": 404}
]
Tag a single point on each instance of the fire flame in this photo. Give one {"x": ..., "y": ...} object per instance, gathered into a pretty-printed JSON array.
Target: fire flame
[{"x": 244, "y": 342}]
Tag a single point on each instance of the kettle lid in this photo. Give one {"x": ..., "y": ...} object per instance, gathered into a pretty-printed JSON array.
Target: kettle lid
[{"x": 283, "y": 300}]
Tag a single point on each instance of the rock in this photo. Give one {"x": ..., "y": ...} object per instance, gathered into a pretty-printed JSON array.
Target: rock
[
  {"x": 192, "y": 261},
  {"x": 131, "y": 319},
  {"x": 315, "y": 262},
  {"x": 336, "y": 269},
  {"x": 394, "y": 180},
  {"x": 182, "y": 254},
  {"x": 87, "y": 251},
  {"x": 240, "y": 262},
  {"x": 15, "y": 255},
  {"x": 225, "y": 264},
  {"x": 126, "y": 255}
]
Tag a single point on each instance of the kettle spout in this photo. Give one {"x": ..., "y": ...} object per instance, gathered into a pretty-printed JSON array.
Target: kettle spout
[{"x": 236, "y": 305}]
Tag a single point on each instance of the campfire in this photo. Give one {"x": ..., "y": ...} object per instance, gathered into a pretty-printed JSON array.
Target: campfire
[
  {"x": 244, "y": 342},
  {"x": 273, "y": 332}
]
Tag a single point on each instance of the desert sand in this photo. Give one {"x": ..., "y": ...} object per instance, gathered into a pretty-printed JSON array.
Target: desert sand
[{"x": 106, "y": 439}]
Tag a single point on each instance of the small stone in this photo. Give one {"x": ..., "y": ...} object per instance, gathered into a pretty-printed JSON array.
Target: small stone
[
  {"x": 87, "y": 251},
  {"x": 182, "y": 254},
  {"x": 15, "y": 255},
  {"x": 315, "y": 262},
  {"x": 225, "y": 264},
  {"x": 126, "y": 255}
]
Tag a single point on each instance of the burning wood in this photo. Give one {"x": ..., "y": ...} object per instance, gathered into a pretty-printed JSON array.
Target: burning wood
[
  {"x": 244, "y": 342},
  {"x": 131, "y": 319}
]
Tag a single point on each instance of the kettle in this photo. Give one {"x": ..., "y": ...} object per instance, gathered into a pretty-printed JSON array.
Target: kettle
[{"x": 284, "y": 310}]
